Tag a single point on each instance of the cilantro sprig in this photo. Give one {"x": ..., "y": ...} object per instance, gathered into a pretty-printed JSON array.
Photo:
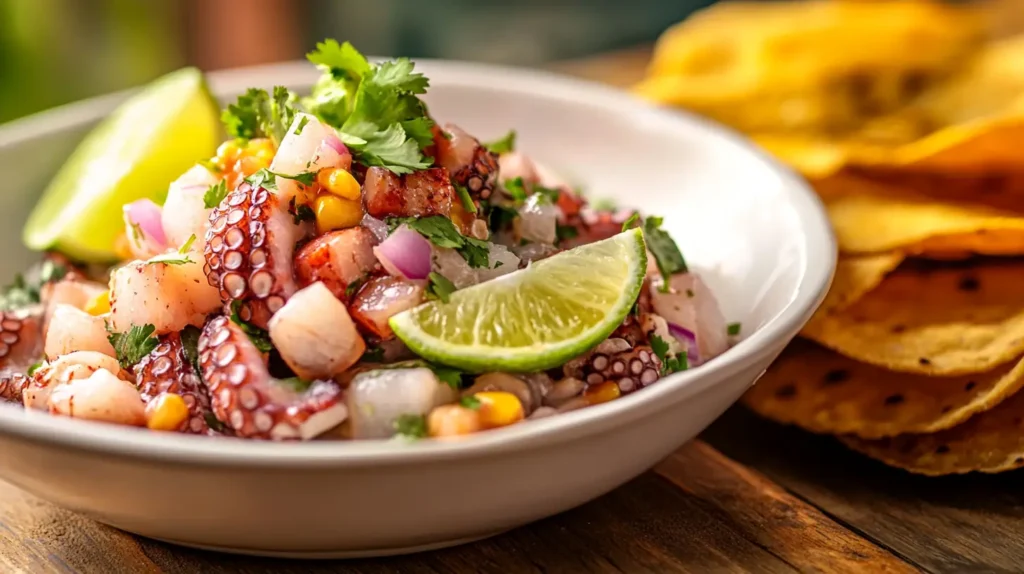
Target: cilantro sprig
[
  {"x": 374, "y": 107},
  {"x": 505, "y": 144},
  {"x": 257, "y": 113},
  {"x": 132, "y": 346},
  {"x": 179, "y": 257},
  {"x": 411, "y": 427},
  {"x": 23, "y": 293},
  {"x": 440, "y": 231},
  {"x": 670, "y": 363},
  {"x": 265, "y": 178},
  {"x": 439, "y": 287},
  {"x": 215, "y": 194},
  {"x": 665, "y": 251}
]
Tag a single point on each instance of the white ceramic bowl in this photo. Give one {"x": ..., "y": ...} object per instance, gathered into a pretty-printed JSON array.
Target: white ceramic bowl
[{"x": 754, "y": 230}]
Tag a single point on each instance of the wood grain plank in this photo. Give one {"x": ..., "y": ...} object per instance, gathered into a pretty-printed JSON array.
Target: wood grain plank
[
  {"x": 772, "y": 518},
  {"x": 954, "y": 524},
  {"x": 36, "y": 536},
  {"x": 648, "y": 525}
]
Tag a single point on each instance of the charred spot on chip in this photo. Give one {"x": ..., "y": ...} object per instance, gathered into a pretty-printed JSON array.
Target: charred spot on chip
[
  {"x": 970, "y": 385},
  {"x": 942, "y": 449},
  {"x": 1018, "y": 460},
  {"x": 897, "y": 329},
  {"x": 924, "y": 361},
  {"x": 836, "y": 376},
  {"x": 786, "y": 391},
  {"x": 947, "y": 408},
  {"x": 968, "y": 283},
  {"x": 894, "y": 399}
]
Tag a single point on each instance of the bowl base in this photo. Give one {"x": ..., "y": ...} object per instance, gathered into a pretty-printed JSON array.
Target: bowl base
[{"x": 334, "y": 554}]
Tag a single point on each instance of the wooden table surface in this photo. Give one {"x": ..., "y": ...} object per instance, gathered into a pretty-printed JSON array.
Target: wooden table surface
[{"x": 748, "y": 496}]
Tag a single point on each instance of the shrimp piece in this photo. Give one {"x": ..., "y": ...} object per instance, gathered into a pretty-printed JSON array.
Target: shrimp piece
[
  {"x": 77, "y": 365},
  {"x": 309, "y": 145},
  {"x": 169, "y": 297},
  {"x": 690, "y": 304},
  {"x": 185, "y": 212},
  {"x": 515, "y": 164},
  {"x": 338, "y": 259},
  {"x": 315, "y": 335},
  {"x": 382, "y": 298},
  {"x": 418, "y": 194},
  {"x": 71, "y": 329},
  {"x": 99, "y": 397},
  {"x": 74, "y": 292}
]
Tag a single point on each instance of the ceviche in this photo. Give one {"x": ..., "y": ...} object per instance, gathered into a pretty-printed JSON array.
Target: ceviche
[{"x": 348, "y": 266}]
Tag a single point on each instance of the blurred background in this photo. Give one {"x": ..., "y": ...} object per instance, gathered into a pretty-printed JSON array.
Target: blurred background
[{"x": 57, "y": 51}]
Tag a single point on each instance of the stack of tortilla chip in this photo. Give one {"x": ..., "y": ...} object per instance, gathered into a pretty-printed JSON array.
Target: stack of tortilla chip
[{"x": 908, "y": 119}]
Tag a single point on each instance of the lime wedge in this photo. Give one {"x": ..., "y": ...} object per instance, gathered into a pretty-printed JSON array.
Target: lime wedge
[
  {"x": 134, "y": 153},
  {"x": 536, "y": 318}
]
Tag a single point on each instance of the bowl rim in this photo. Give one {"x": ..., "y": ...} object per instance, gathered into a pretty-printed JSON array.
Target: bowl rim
[{"x": 818, "y": 258}]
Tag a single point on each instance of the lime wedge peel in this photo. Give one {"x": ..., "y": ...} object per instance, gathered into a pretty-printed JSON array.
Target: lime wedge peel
[
  {"x": 535, "y": 318},
  {"x": 135, "y": 153}
]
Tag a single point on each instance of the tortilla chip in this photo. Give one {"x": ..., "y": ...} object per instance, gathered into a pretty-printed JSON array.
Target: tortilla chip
[
  {"x": 992, "y": 441},
  {"x": 1003, "y": 191},
  {"x": 793, "y": 65},
  {"x": 855, "y": 277},
  {"x": 949, "y": 320},
  {"x": 825, "y": 392},
  {"x": 882, "y": 219}
]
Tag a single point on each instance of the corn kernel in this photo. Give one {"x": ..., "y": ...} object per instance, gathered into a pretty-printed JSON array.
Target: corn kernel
[
  {"x": 122, "y": 248},
  {"x": 228, "y": 150},
  {"x": 453, "y": 420},
  {"x": 602, "y": 393},
  {"x": 339, "y": 182},
  {"x": 166, "y": 412},
  {"x": 99, "y": 304},
  {"x": 498, "y": 409},
  {"x": 333, "y": 212}
]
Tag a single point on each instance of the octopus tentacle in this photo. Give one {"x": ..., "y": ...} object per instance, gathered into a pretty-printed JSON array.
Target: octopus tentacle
[
  {"x": 21, "y": 345},
  {"x": 168, "y": 370},
  {"x": 471, "y": 164},
  {"x": 248, "y": 399},
  {"x": 632, "y": 368},
  {"x": 248, "y": 252}
]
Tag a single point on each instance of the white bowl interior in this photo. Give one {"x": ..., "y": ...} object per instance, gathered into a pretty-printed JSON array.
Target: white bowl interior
[{"x": 752, "y": 229}]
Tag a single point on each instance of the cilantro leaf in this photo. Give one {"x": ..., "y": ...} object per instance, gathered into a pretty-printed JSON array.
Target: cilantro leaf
[
  {"x": 411, "y": 427},
  {"x": 374, "y": 107},
  {"x": 733, "y": 329},
  {"x": 190, "y": 345},
  {"x": 447, "y": 375},
  {"x": 666, "y": 253},
  {"x": 516, "y": 188},
  {"x": 179, "y": 257},
  {"x": 133, "y": 346},
  {"x": 215, "y": 194},
  {"x": 264, "y": 178},
  {"x": 373, "y": 355},
  {"x": 303, "y": 213},
  {"x": 550, "y": 193},
  {"x": 20, "y": 293},
  {"x": 440, "y": 231},
  {"x": 669, "y": 363},
  {"x": 258, "y": 114},
  {"x": 565, "y": 232},
  {"x": 34, "y": 367},
  {"x": 470, "y": 402},
  {"x": 504, "y": 145},
  {"x": 439, "y": 287},
  {"x": 296, "y": 384},
  {"x": 260, "y": 338},
  {"x": 501, "y": 217},
  {"x": 352, "y": 288},
  {"x": 213, "y": 422}
]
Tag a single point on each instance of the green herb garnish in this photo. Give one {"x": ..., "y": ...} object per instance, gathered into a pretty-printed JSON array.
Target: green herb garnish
[
  {"x": 303, "y": 213},
  {"x": 669, "y": 363},
  {"x": 373, "y": 355},
  {"x": 470, "y": 402},
  {"x": 504, "y": 145},
  {"x": 190, "y": 345},
  {"x": 258, "y": 114},
  {"x": 564, "y": 232},
  {"x": 411, "y": 427},
  {"x": 35, "y": 367},
  {"x": 264, "y": 178},
  {"x": 20, "y": 293},
  {"x": 133, "y": 346},
  {"x": 467, "y": 201},
  {"x": 733, "y": 329},
  {"x": 501, "y": 217},
  {"x": 179, "y": 257},
  {"x": 516, "y": 188},
  {"x": 439, "y": 287},
  {"x": 215, "y": 194},
  {"x": 440, "y": 231},
  {"x": 631, "y": 222},
  {"x": 666, "y": 253}
]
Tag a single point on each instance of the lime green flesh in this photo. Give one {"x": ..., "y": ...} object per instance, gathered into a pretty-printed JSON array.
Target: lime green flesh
[
  {"x": 536, "y": 318},
  {"x": 135, "y": 153}
]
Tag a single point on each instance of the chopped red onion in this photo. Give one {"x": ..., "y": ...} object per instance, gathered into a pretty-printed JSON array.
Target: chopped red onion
[
  {"x": 405, "y": 254},
  {"x": 689, "y": 339},
  {"x": 148, "y": 216},
  {"x": 335, "y": 143},
  {"x": 376, "y": 226}
]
